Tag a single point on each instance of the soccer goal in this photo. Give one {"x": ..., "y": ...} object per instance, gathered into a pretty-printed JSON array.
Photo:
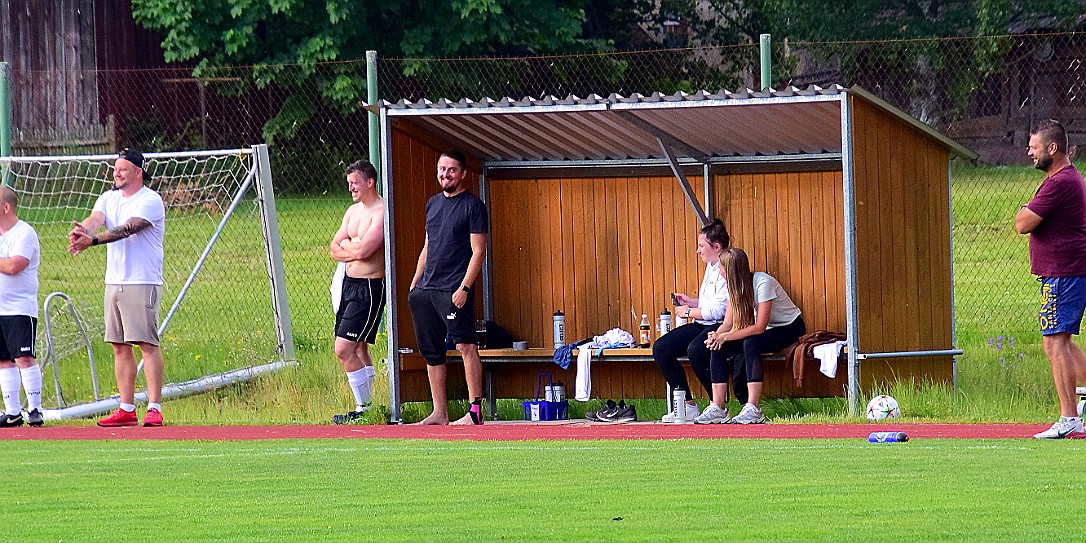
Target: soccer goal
[{"x": 225, "y": 313}]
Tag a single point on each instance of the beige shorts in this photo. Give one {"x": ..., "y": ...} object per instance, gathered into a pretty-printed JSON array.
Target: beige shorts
[{"x": 132, "y": 313}]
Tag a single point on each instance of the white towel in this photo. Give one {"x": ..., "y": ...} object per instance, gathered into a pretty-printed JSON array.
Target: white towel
[
  {"x": 827, "y": 354},
  {"x": 584, "y": 374},
  {"x": 336, "y": 289}
]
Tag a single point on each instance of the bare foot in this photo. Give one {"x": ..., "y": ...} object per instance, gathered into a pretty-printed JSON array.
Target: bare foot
[
  {"x": 434, "y": 420},
  {"x": 463, "y": 421}
]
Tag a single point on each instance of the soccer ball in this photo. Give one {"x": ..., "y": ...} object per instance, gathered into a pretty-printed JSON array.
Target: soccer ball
[{"x": 883, "y": 408}]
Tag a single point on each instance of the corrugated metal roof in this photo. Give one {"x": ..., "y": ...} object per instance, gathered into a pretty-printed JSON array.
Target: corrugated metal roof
[{"x": 698, "y": 126}]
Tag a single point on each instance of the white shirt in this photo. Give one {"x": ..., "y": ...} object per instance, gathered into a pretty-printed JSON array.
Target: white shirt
[
  {"x": 19, "y": 292},
  {"x": 137, "y": 259},
  {"x": 713, "y": 295},
  {"x": 766, "y": 288}
]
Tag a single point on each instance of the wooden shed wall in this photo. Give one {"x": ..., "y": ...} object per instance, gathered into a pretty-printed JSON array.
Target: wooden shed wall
[
  {"x": 902, "y": 246},
  {"x": 593, "y": 248},
  {"x": 791, "y": 225}
]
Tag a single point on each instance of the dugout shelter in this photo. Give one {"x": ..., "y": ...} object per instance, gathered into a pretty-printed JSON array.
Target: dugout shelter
[{"x": 595, "y": 205}]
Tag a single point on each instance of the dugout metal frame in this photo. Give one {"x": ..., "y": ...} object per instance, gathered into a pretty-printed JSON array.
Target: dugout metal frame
[{"x": 843, "y": 129}]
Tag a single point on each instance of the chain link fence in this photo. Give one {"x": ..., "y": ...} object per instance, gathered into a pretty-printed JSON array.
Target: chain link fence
[{"x": 984, "y": 92}]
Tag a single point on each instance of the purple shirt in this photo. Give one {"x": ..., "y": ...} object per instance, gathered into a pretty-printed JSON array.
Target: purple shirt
[{"x": 1057, "y": 247}]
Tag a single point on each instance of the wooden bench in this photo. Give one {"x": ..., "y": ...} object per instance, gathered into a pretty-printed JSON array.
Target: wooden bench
[{"x": 616, "y": 373}]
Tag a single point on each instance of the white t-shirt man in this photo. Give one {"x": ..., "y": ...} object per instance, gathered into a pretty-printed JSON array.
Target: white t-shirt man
[
  {"x": 19, "y": 292},
  {"x": 137, "y": 259},
  {"x": 784, "y": 310}
]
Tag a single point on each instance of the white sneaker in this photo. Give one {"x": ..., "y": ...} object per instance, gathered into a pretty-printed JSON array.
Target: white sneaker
[
  {"x": 750, "y": 415},
  {"x": 692, "y": 413},
  {"x": 1063, "y": 427},
  {"x": 714, "y": 414}
]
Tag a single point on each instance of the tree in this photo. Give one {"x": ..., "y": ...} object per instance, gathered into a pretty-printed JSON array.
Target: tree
[{"x": 284, "y": 40}]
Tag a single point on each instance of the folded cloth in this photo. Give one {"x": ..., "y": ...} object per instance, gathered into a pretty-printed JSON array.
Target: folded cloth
[
  {"x": 336, "y": 288},
  {"x": 827, "y": 354},
  {"x": 615, "y": 338},
  {"x": 584, "y": 375}
]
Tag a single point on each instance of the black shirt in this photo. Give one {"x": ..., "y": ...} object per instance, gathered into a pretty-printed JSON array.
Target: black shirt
[{"x": 450, "y": 221}]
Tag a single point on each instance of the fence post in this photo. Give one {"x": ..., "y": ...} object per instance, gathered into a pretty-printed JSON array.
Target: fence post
[
  {"x": 5, "y": 121},
  {"x": 371, "y": 98},
  {"x": 763, "y": 46}
]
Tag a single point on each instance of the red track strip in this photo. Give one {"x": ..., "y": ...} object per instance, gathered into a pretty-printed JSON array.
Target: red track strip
[{"x": 517, "y": 431}]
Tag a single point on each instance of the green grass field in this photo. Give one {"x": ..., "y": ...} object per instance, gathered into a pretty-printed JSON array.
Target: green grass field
[{"x": 396, "y": 490}]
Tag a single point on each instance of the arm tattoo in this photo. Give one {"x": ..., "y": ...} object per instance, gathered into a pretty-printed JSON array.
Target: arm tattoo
[{"x": 129, "y": 228}]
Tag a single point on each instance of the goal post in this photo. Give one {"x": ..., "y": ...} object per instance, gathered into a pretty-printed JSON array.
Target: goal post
[{"x": 224, "y": 295}]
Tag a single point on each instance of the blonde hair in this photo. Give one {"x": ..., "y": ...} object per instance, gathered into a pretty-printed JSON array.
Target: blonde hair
[{"x": 736, "y": 267}]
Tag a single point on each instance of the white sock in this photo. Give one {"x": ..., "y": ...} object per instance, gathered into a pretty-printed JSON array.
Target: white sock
[
  {"x": 128, "y": 407},
  {"x": 369, "y": 371},
  {"x": 10, "y": 384},
  {"x": 32, "y": 386},
  {"x": 153, "y": 405},
  {"x": 361, "y": 385}
]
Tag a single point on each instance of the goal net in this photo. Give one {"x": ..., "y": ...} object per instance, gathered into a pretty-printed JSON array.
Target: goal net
[{"x": 224, "y": 302}]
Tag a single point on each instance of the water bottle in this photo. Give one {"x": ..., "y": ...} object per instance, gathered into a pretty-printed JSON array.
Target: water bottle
[
  {"x": 645, "y": 328},
  {"x": 888, "y": 437},
  {"x": 679, "y": 399},
  {"x": 559, "y": 329},
  {"x": 665, "y": 322}
]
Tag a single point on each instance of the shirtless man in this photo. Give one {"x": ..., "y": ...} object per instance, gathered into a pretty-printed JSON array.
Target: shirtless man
[{"x": 359, "y": 244}]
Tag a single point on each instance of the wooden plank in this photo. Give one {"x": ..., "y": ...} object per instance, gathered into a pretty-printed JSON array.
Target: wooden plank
[
  {"x": 891, "y": 248},
  {"x": 911, "y": 211},
  {"x": 887, "y": 285}
]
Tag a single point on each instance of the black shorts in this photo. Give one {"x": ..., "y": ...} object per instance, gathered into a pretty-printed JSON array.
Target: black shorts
[
  {"x": 435, "y": 316},
  {"x": 360, "y": 309},
  {"x": 17, "y": 334}
]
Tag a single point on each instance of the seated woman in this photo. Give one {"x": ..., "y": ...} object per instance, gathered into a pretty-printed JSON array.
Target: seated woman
[
  {"x": 760, "y": 318},
  {"x": 703, "y": 313}
]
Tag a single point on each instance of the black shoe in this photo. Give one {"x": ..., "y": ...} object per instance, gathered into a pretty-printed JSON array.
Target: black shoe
[
  {"x": 11, "y": 421},
  {"x": 35, "y": 418},
  {"x": 624, "y": 413},
  {"x": 596, "y": 416},
  {"x": 349, "y": 416}
]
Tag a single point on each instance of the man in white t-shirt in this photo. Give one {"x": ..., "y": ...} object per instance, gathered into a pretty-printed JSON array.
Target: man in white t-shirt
[
  {"x": 19, "y": 257},
  {"x": 135, "y": 221}
]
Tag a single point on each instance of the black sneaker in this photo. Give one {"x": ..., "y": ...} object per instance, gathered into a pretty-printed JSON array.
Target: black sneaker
[
  {"x": 596, "y": 416},
  {"x": 349, "y": 416},
  {"x": 624, "y": 413},
  {"x": 35, "y": 418},
  {"x": 11, "y": 421}
]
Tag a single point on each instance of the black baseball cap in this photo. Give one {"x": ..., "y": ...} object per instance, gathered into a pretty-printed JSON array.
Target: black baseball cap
[{"x": 135, "y": 157}]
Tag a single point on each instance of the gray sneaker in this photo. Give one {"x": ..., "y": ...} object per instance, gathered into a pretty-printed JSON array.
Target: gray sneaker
[
  {"x": 750, "y": 415},
  {"x": 714, "y": 414}
]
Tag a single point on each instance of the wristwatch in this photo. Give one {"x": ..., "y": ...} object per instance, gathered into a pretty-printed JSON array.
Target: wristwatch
[
  {"x": 465, "y": 288},
  {"x": 94, "y": 240},
  {"x": 688, "y": 310}
]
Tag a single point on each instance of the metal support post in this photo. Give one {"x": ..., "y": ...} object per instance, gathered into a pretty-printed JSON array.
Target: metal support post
[
  {"x": 767, "y": 71},
  {"x": 269, "y": 220}
]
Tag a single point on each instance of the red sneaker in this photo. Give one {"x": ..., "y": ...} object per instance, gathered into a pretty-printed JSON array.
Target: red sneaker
[
  {"x": 153, "y": 417},
  {"x": 119, "y": 417}
]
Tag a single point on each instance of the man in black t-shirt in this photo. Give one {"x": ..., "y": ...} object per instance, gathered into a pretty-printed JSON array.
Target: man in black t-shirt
[{"x": 441, "y": 297}]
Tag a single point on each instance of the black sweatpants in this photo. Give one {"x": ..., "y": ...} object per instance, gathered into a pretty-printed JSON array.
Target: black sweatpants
[
  {"x": 689, "y": 339},
  {"x": 748, "y": 352}
]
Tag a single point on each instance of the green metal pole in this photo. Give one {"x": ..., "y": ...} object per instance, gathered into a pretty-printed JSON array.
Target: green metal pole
[
  {"x": 371, "y": 97},
  {"x": 5, "y": 120},
  {"x": 767, "y": 71}
]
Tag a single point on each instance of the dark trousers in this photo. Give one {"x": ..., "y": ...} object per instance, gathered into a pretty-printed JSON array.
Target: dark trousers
[
  {"x": 688, "y": 339},
  {"x": 747, "y": 353}
]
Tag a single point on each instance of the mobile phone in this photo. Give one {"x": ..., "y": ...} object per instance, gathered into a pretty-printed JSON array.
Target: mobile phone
[{"x": 675, "y": 299}]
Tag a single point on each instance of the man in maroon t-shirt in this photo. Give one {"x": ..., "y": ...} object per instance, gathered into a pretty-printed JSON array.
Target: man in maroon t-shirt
[{"x": 1055, "y": 220}]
